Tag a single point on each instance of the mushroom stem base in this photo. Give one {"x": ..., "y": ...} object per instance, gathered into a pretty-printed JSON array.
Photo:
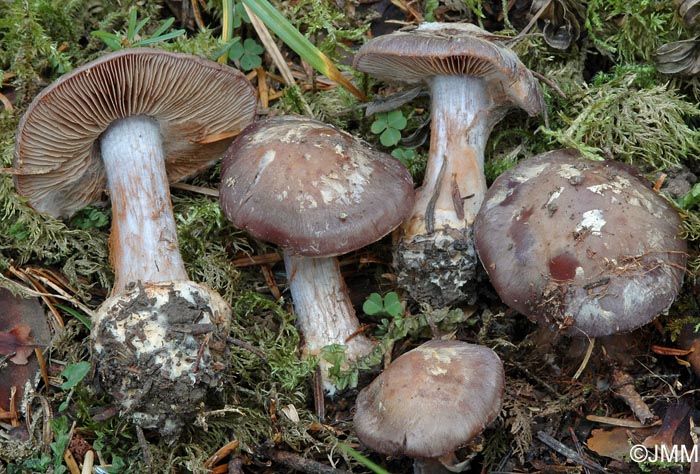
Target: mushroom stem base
[
  {"x": 160, "y": 348},
  {"x": 440, "y": 268}
]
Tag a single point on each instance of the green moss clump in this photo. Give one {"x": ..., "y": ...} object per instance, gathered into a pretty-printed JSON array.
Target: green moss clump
[
  {"x": 203, "y": 233},
  {"x": 627, "y": 116},
  {"x": 629, "y": 31}
]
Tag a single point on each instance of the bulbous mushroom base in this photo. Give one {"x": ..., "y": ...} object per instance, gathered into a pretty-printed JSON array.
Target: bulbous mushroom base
[
  {"x": 160, "y": 347},
  {"x": 440, "y": 268}
]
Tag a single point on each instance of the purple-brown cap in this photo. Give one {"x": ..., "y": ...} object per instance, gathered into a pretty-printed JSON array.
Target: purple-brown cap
[
  {"x": 581, "y": 243},
  {"x": 431, "y": 400},
  {"x": 199, "y": 104},
  {"x": 416, "y": 54},
  {"x": 312, "y": 189}
]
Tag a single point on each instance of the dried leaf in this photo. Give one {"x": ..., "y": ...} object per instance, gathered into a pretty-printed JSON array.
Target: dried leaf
[
  {"x": 612, "y": 443},
  {"x": 18, "y": 342},
  {"x": 674, "y": 429},
  {"x": 679, "y": 58},
  {"x": 560, "y": 21},
  {"x": 689, "y": 11}
]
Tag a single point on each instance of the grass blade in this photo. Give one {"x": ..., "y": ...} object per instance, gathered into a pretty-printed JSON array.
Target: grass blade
[
  {"x": 300, "y": 44},
  {"x": 377, "y": 469},
  {"x": 77, "y": 315}
]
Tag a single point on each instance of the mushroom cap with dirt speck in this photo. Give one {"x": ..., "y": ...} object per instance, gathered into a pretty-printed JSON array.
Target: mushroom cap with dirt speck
[
  {"x": 415, "y": 54},
  {"x": 580, "y": 244},
  {"x": 312, "y": 189},
  {"x": 431, "y": 400},
  {"x": 200, "y": 106}
]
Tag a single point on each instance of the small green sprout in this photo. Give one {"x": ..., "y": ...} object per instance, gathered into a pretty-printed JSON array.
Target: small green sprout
[
  {"x": 390, "y": 305},
  {"x": 246, "y": 55},
  {"x": 388, "y": 126},
  {"x": 690, "y": 199},
  {"x": 240, "y": 16},
  {"x": 336, "y": 355},
  {"x": 90, "y": 218},
  {"x": 131, "y": 39},
  {"x": 74, "y": 374},
  {"x": 404, "y": 155},
  {"x": 413, "y": 161}
]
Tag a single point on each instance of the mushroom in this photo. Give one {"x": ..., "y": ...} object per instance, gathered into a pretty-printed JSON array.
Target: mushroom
[
  {"x": 580, "y": 245},
  {"x": 473, "y": 82},
  {"x": 317, "y": 192},
  {"x": 132, "y": 121},
  {"x": 430, "y": 402}
]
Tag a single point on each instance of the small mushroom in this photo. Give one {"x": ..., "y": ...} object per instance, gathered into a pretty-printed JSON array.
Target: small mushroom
[
  {"x": 131, "y": 122},
  {"x": 580, "y": 245},
  {"x": 430, "y": 402},
  {"x": 473, "y": 82},
  {"x": 316, "y": 192}
]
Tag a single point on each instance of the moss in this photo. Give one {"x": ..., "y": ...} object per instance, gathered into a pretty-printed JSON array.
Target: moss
[
  {"x": 628, "y": 31},
  {"x": 626, "y": 115},
  {"x": 325, "y": 24},
  {"x": 204, "y": 234}
]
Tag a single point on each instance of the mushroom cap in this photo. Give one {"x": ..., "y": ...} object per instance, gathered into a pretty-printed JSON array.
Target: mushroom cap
[
  {"x": 574, "y": 242},
  {"x": 431, "y": 400},
  {"x": 312, "y": 189},
  {"x": 199, "y": 104},
  {"x": 416, "y": 54}
]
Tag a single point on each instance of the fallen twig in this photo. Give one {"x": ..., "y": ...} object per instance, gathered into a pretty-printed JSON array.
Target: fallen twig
[
  {"x": 294, "y": 461},
  {"x": 569, "y": 453}
]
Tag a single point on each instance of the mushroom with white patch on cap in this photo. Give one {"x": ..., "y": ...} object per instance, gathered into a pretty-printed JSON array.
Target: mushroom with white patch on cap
[
  {"x": 430, "y": 402},
  {"x": 580, "y": 245},
  {"x": 317, "y": 192},
  {"x": 131, "y": 122},
  {"x": 473, "y": 82}
]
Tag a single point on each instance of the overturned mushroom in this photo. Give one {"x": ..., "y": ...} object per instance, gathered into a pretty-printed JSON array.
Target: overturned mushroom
[
  {"x": 132, "y": 121},
  {"x": 316, "y": 192},
  {"x": 473, "y": 82},
  {"x": 430, "y": 402},
  {"x": 580, "y": 245}
]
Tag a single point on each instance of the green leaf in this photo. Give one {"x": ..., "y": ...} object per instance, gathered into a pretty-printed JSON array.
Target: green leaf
[
  {"x": 392, "y": 304},
  {"x": 396, "y": 120},
  {"x": 164, "y": 27},
  {"x": 252, "y": 47},
  {"x": 691, "y": 198},
  {"x": 378, "y": 126},
  {"x": 132, "y": 24},
  {"x": 160, "y": 39},
  {"x": 250, "y": 61},
  {"x": 74, "y": 374},
  {"x": 139, "y": 27},
  {"x": 236, "y": 51},
  {"x": 373, "y": 304},
  {"x": 390, "y": 137},
  {"x": 112, "y": 41}
]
